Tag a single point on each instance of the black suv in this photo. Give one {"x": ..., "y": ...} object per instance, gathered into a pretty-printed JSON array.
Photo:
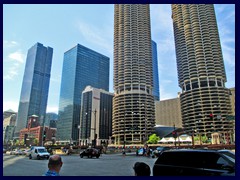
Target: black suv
[
  {"x": 90, "y": 152},
  {"x": 193, "y": 162}
]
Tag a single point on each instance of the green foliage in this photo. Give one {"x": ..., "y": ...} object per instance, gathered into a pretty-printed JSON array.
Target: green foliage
[
  {"x": 35, "y": 141},
  {"x": 153, "y": 139},
  {"x": 204, "y": 139}
]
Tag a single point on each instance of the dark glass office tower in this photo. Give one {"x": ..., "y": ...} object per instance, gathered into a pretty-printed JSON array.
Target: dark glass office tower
[
  {"x": 155, "y": 72},
  {"x": 35, "y": 86},
  {"x": 81, "y": 67},
  {"x": 205, "y": 102},
  {"x": 133, "y": 103}
]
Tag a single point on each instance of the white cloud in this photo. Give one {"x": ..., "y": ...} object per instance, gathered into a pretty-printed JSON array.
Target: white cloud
[
  {"x": 9, "y": 44},
  {"x": 52, "y": 109},
  {"x": 13, "y": 105},
  {"x": 12, "y": 72},
  {"x": 17, "y": 56}
]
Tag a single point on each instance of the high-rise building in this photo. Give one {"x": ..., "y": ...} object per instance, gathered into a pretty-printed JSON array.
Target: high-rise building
[
  {"x": 8, "y": 126},
  {"x": 81, "y": 67},
  {"x": 205, "y": 102},
  {"x": 35, "y": 86},
  {"x": 168, "y": 112},
  {"x": 155, "y": 72},
  {"x": 50, "y": 118},
  {"x": 96, "y": 116},
  {"x": 133, "y": 103}
]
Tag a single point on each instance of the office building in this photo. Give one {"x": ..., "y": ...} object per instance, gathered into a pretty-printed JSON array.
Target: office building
[
  {"x": 133, "y": 102},
  {"x": 81, "y": 67},
  {"x": 205, "y": 101},
  {"x": 35, "y": 86},
  {"x": 168, "y": 112},
  {"x": 96, "y": 116},
  {"x": 155, "y": 72},
  {"x": 9, "y": 126}
]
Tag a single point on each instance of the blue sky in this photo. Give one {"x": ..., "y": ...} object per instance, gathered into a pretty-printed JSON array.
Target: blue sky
[{"x": 63, "y": 26}]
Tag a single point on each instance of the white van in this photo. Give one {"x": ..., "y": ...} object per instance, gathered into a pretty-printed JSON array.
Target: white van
[{"x": 39, "y": 152}]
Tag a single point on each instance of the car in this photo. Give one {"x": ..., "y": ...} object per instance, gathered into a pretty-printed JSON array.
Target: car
[
  {"x": 140, "y": 152},
  {"x": 193, "y": 162},
  {"x": 90, "y": 152},
  {"x": 227, "y": 153},
  {"x": 160, "y": 149},
  {"x": 19, "y": 152},
  {"x": 4, "y": 150},
  {"x": 27, "y": 152},
  {"x": 39, "y": 152}
]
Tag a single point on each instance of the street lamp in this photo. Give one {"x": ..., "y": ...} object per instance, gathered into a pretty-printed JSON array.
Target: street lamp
[
  {"x": 95, "y": 126},
  {"x": 124, "y": 138},
  {"x": 174, "y": 135}
]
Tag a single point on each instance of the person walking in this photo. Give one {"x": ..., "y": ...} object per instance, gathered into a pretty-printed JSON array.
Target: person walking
[
  {"x": 141, "y": 169},
  {"x": 54, "y": 166}
]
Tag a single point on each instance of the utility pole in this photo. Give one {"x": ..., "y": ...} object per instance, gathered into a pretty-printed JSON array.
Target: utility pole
[
  {"x": 174, "y": 134},
  {"x": 95, "y": 126},
  {"x": 124, "y": 138}
]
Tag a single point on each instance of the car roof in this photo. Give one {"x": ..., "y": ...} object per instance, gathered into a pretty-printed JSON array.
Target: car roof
[{"x": 191, "y": 150}]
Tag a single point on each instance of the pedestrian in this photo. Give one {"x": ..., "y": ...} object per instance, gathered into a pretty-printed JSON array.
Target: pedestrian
[
  {"x": 123, "y": 152},
  {"x": 54, "y": 165},
  {"x": 141, "y": 169}
]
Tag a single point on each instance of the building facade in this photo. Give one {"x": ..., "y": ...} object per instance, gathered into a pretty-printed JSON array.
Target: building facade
[
  {"x": 9, "y": 126},
  {"x": 35, "y": 86},
  {"x": 96, "y": 116},
  {"x": 155, "y": 72},
  {"x": 81, "y": 67},
  {"x": 133, "y": 103},
  {"x": 35, "y": 134},
  {"x": 168, "y": 113},
  {"x": 232, "y": 98},
  {"x": 205, "y": 101},
  {"x": 50, "y": 118}
]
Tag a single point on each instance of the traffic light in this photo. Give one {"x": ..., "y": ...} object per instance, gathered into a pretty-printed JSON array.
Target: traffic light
[
  {"x": 174, "y": 133},
  {"x": 211, "y": 116},
  {"x": 44, "y": 135}
]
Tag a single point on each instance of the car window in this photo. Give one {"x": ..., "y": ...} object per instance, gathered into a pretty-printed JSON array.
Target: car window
[
  {"x": 222, "y": 161},
  {"x": 189, "y": 159}
]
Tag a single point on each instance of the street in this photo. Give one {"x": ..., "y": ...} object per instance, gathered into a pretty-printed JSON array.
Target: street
[{"x": 106, "y": 165}]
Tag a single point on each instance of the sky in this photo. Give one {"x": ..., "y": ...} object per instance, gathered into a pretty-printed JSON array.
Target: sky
[{"x": 64, "y": 26}]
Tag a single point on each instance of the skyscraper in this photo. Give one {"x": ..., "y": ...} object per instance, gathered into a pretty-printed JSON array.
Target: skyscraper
[
  {"x": 155, "y": 72},
  {"x": 205, "y": 102},
  {"x": 35, "y": 86},
  {"x": 96, "y": 116},
  {"x": 133, "y": 103},
  {"x": 81, "y": 67}
]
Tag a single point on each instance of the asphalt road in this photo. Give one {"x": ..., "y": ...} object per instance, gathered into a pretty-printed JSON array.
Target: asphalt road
[{"x": 106, "y": 165}]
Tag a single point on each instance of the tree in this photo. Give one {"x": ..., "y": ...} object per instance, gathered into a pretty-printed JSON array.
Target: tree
[
  {"x": 153, "y": 139},
  {"x": 204, "y": 139},
  {"x": 35, "y": 141}
]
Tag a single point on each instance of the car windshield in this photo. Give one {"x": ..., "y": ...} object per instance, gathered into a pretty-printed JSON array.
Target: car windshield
[
  {"x": 42, "y": 150},
  {"x": 228, "y": 153}
]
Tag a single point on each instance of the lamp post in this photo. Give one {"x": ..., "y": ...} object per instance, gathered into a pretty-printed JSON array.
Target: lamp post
[
  {"x": 95, "y": 125},
  {"x": 124, "y": 138},
  {"x": 174, "y": 135}
]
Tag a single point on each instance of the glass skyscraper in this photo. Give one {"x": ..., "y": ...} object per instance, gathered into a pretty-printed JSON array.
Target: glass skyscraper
[
  {"x": 35, "y": 86},
  {"x": 81, "y": 67},
  {"x": 133, "y": 103},
  {"x": 205, "y": 101},
  {"x": 155, "y": 72}
]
